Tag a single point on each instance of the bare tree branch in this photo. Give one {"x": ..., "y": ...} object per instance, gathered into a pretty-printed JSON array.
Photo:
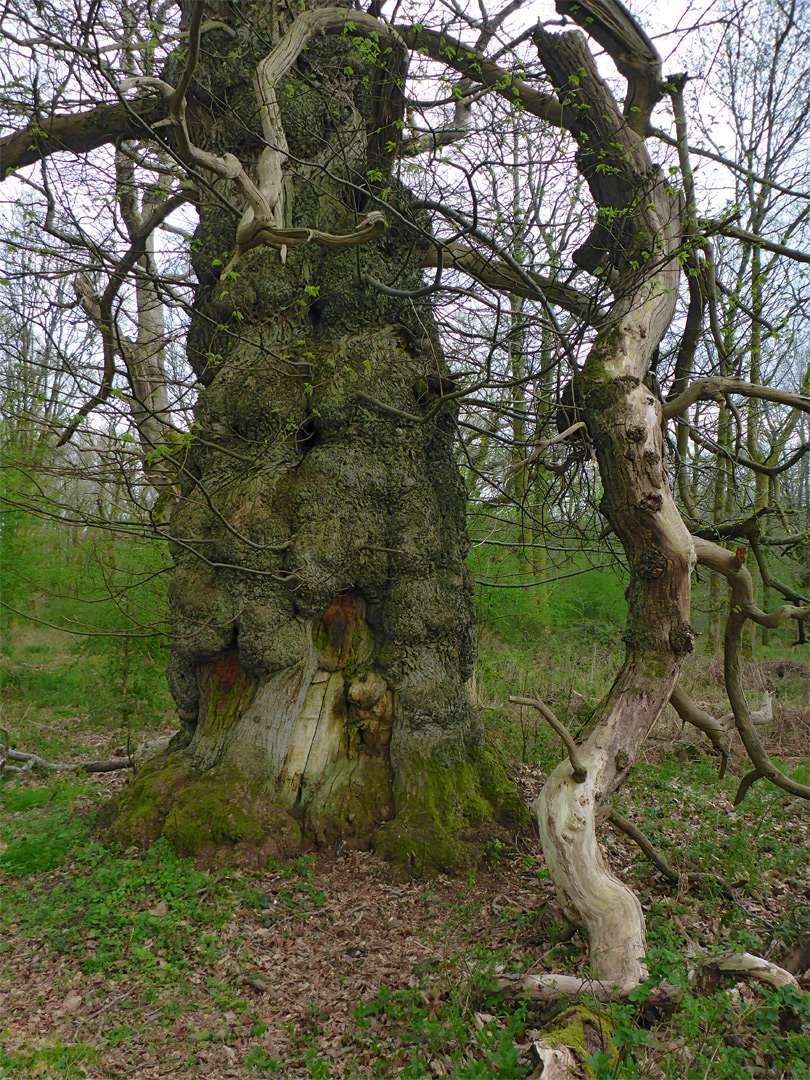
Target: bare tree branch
[
  {"x": 741, "y": 608},
  {"x": 711, "y": 387}
]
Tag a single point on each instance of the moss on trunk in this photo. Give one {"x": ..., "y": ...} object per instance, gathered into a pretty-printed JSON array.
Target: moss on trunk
[{"x": 321, "y": 604}]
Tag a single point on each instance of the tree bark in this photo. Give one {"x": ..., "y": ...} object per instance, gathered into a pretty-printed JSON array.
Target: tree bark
[
  {"x": 322, "y": 608},
  {"x": 635, "y": 243}
]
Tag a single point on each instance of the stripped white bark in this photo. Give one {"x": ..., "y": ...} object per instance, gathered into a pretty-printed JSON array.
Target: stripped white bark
[
  {"x": 748, "y": 966},
  {"x": 625, "y": 424},
  {"x": 263, "y": 222},
  {"x": 556, "y": 1062}
]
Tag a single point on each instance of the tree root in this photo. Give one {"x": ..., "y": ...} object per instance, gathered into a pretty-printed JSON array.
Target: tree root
[
  {"x": 548, "y": 989},
  {"x": 560, "y": 1053}
]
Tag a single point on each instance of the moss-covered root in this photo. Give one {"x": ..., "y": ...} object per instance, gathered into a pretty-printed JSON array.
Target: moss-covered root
[
  {"x": 445, "y": 814},
  {"x": 219, "y": 817},
  {"x": 573, "y": 1037}
]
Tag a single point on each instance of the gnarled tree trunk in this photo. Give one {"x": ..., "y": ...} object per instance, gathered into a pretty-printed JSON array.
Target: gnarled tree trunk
[
  {"x": 322, "y": 609},
  {"x": 634, "y": 243}
]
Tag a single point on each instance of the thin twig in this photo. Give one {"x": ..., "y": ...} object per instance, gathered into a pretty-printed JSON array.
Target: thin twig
[{"x": 638, "y": 837}]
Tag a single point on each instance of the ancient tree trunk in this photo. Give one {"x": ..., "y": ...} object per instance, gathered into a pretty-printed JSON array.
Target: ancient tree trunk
[{"x": 322, "y": 609}]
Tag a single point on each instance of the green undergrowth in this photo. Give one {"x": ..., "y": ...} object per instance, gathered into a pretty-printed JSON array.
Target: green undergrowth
[
  {"x": 83, "y": 644},
  {"x": 687, "y": 812},
  {"x": 161, "y": 930},
  {"x": 52, "y": 683},
  {"x": 57, "y": 1060},
  {"x": 717, "y": 1035},
  {"x": 119, "y": 909},
  {"x": 486, "y": 1049},
  {"x": 743, "y": 888},
  {"x": 154, "y": 921}
]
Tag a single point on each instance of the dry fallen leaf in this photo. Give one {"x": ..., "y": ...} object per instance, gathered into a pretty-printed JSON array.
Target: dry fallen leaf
[{"x": 72, "y": 1002}]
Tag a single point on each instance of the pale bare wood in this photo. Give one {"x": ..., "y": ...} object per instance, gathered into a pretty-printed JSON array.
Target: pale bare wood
[
  {"x": 549, "y": 988},
  {"x": 748, "y": 966},
  {"x": 712, "y": 387}
]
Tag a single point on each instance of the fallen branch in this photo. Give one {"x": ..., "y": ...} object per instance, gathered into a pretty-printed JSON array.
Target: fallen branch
[{"x": 34, "y": 761}]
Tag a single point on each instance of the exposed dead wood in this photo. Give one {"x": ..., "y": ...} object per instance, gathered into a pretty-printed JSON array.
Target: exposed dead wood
[
  {"x": 624, "y": 419},
  {"x": 747, "y": 966},
  {"x": 263, "y": 222},
  {"x": 549, "y": 989},
  {"x": 554, "y": 1062},
  {"x": 34, "y": 761}
]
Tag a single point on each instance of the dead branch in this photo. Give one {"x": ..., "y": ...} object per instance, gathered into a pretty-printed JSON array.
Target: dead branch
[
  {"x": 742, "y": 608},
  {"x": 264, "y": 219},
  {"x": 34, "y": 761},
  {"x": 578, "y": 769},
  {"x": 629, "y": 48}
]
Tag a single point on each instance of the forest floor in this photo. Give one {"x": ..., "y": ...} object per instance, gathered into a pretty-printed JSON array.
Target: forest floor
[{"x": 128, "y": 964}]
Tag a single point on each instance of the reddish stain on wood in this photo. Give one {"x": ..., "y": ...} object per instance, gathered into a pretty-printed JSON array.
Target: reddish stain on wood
[
  {"x": 340, "y": 620},
  {"x": 228, "y": 671}
]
